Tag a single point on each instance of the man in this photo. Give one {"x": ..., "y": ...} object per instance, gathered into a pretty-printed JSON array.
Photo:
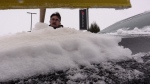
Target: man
[{"x": 55, "y": 20}]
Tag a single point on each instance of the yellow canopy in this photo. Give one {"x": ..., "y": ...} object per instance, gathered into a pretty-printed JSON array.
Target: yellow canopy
[{"x": 28, "y": 4}]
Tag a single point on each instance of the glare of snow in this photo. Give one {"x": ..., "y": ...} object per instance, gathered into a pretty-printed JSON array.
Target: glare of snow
[
  {"x": 46, "y": 49},
  {"x": 40, "y": 25},
  {"x": 138, "y": 57}
]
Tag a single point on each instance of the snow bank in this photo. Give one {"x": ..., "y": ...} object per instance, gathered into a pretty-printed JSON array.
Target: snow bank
[{"x": 45, "y": 49}]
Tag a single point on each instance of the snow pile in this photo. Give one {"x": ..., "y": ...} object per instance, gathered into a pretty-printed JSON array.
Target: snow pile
[
  {"x": 145, "y": 30},
  {"x": 45, "y": 49}
]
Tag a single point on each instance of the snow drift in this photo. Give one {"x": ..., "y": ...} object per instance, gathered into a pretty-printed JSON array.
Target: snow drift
[{"x": 45, "y": 50}]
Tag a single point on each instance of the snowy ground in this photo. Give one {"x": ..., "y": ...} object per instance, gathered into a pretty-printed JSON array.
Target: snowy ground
[{"x": 66, "y": 55}]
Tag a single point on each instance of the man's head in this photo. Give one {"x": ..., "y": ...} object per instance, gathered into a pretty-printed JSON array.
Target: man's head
[{"x": 55, "y": 20}]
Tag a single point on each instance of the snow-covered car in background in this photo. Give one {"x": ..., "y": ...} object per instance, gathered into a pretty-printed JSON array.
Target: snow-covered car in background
[
  {"x": 140, "y": 21},
  {"x": 135, "y": 32},
  {"x": 68, "y": 56}
]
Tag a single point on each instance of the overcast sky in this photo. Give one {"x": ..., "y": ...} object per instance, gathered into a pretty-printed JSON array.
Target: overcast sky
[{"x": 12, "y": 21}]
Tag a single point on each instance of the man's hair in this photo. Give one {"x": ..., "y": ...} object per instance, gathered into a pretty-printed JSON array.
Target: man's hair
[{"x": 56, "y": 14}]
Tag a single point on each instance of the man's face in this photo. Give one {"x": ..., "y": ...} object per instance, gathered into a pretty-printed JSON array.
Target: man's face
[{"x": 55, "y": 21}]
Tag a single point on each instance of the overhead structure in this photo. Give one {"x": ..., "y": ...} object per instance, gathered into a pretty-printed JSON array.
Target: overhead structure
[
  {"x": 43, "y": 4},
  {"x": 20, "y": 4}
]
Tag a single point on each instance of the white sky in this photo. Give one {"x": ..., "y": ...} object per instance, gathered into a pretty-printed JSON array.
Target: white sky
[
  {"x": 40, "y": 51},
  {"x": 12, "y": 21}
]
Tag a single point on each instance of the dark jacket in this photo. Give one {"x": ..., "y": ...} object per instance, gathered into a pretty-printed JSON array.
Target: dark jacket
[{"x": 60, "y": 26}]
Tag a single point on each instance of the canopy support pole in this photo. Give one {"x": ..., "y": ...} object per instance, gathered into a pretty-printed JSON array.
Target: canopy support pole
[{"x": 42, "y": 14}]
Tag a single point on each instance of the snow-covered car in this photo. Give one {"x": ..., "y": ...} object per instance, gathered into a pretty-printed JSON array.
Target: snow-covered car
[
  {"x": 135, "y": 32},
  {"x": 139, "y": 22}
]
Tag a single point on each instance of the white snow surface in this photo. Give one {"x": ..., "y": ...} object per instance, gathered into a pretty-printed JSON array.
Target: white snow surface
[
  {"x": 45, "y": 49},
  {"x": 136, "y": 31}
]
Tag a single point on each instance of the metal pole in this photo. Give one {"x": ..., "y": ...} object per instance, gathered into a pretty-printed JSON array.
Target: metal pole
[
  {"x": 31, "y": 19},
  {"x": 31, "y": 23},
  {"x": 87, "y": 18},
  {"x": 42, "y": 14}
]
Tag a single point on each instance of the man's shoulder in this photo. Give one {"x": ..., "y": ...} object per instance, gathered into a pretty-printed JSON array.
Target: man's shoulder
[{"x": 60, "y": 26}]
